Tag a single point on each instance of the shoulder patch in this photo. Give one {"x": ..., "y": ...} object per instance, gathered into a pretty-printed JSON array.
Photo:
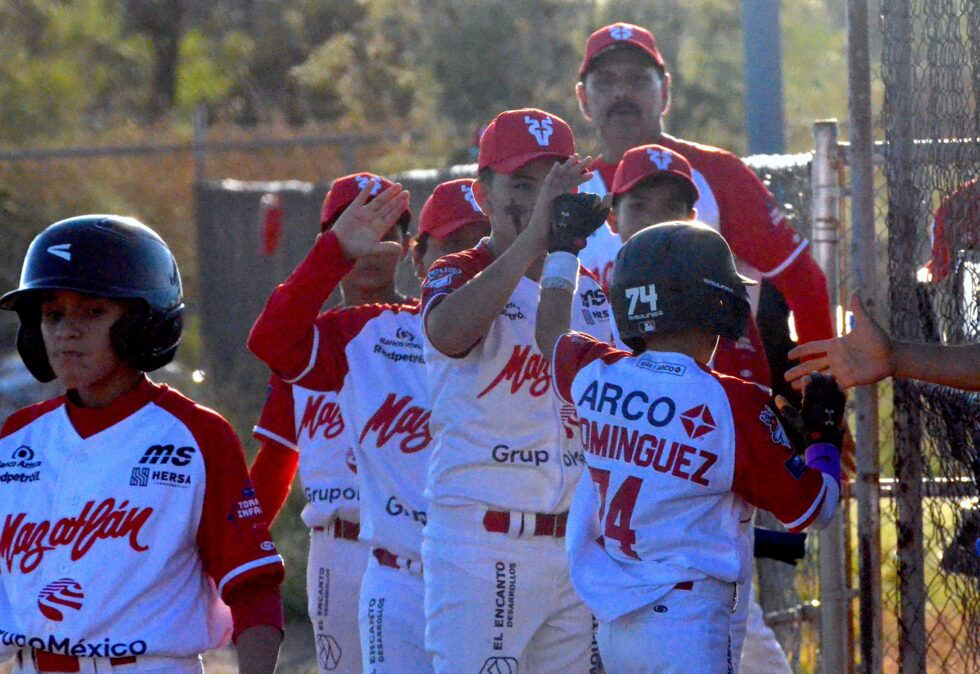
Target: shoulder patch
[{"x": 441, "y": 277}]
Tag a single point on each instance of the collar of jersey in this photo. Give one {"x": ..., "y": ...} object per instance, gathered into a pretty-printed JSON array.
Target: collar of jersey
[{"x": 88, "y": 421}]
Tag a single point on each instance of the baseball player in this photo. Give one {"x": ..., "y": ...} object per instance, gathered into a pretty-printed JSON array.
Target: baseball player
[
  {"x": 498, "y": 597},
  {"x": 653, "y": 184},
  {"x": 677, "y": 454},
  {"x": 624, "y": 90},
  {"x": 132, "y": 540},
  {"x": 307, "y": 430},
  {"x": 372, "y": 355}
]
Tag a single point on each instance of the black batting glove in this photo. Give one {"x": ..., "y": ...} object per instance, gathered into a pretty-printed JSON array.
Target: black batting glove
[
  {"x": 574, "y": 218},
  {"x": 782, "y": 546},
  {"x": 823, "y": 411}
]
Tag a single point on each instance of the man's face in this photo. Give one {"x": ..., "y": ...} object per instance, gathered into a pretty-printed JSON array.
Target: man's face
[
  {"x": 509, "y": 198},
  {"x": 624, "y": 95},
  {"x": 650, "y": 204}
]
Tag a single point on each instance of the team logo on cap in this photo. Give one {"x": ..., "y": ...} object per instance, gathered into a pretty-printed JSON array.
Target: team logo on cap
[
  {"x": 61, "y": 594},
  {"x": 663, "y": 160},
  {"x": 364, "y": 181},
  {"x": 620, "y": 32},
  {"x": 467, "y": 191},
  {"x": 539, "y": 128}
]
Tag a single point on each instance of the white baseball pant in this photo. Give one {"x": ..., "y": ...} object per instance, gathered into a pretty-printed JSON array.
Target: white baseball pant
[
  {"x": 333, "y": 586},
  {"x": 392, "y": 618},
  {"x": 24, "y": 664},
  {"x": 500, "y": 603},
  {"x": 683, "y": 632},
  {"x": 761, "y": 651}
]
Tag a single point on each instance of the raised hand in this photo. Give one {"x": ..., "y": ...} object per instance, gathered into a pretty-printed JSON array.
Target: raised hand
[
  {"x": 862, "y": 356},
  {"x": 364, "y": 223}
]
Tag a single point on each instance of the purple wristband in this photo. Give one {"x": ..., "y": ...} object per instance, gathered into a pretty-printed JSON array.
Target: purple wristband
[{"x": 825, "y": 458}]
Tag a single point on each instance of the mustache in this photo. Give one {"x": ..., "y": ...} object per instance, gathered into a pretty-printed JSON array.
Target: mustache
[{"x": 623, "y": 107}]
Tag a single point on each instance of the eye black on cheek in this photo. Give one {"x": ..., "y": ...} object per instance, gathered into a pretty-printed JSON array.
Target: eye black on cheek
[{"x": 515, "y": 212}]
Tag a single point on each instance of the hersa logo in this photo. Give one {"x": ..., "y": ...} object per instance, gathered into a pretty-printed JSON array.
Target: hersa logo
[
  {"x": 620, "y": 32},
  {"x": 523, "y": 367},
  {"x": 163, "y": 454},
  {"x": 398, "y": 417},
  {"x": 62, "y": 594},
  {"x": 698, "y": 422},
  {"x": 24, "y": 543},
  {"x": 662, "y": 160},
  {"x": 541, "y": 129},
  {"x": 321, "y": 416}
]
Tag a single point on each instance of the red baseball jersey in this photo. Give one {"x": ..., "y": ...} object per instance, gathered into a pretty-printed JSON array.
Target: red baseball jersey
[
  {"x": 500, "y": 439},
  {"x": 123, "y": 527},
  {"x": 677, "y": 456}
]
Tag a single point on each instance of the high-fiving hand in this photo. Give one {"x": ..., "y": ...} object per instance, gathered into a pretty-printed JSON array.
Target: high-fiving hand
[{"x": 362, "y": 226}]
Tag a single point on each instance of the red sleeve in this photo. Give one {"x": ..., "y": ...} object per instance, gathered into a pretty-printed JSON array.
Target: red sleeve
[
  {"x": 448, "y": 274},
  {"x": 285, "y": 335},
  {"x": 272, "y": 475},
  {"x": 767, "y": 472},
  {"x": 258, "y": 603},
  {"x": 804, "y": 286},
  {"x": 573, "y": 351},
  {"x": 277, "y": 420},
  {"x": 17, "y": 420},
  {"x": 232, "y": 534}
]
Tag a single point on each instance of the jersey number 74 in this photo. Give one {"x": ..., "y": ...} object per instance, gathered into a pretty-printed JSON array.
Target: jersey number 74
[{"x": 616, "y": 521}]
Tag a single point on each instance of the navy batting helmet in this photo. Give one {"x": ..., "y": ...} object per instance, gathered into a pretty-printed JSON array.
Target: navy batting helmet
[
  {"x": 105, "y": 256},
  {"x": 674, "y": 276}
]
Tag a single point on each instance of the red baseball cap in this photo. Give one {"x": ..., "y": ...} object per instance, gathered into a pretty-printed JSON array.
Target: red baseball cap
[
  {"x": 621, "y": 35},
  {"x": 344, "y": 190},
  {"x": 640, "y": 163},
  {"x": 450, "y": 206},
  {"x": 516, "y": 137}
]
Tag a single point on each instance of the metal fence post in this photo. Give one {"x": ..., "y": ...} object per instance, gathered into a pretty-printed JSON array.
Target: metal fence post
[
  {"x": 825, "y": 239},
  {"x": 863, "y": 241}
]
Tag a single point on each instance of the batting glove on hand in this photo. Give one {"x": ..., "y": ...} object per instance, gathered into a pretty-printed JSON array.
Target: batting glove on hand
[
  {"x": 779, "y": 545},
  {"x": 575, "y": 217},
  {"x": 823, "y": 411}
]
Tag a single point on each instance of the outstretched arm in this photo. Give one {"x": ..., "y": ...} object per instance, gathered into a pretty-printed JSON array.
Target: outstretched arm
[{"x": 867, "y": 355}]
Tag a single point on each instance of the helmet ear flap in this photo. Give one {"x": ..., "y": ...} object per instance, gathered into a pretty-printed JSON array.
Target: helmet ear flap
[
  {"x": 730, "y": 315},
  {"x": 30, "y": 346},
  {"x": 145, "y": 341}
]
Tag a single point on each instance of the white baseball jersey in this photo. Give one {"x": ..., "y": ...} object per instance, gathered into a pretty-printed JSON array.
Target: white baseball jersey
[
  {"x": 310, "y": 422},
  {"x": 372, "y": 355},
  {"x": 501, "y": 440},
  {"x": 677, "y": 455},
  {"x": 124, "y": 526}
]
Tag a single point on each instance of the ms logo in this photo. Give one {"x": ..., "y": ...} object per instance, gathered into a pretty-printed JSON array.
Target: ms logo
[
  {"x": 620, "y": 32},
  {"x": 62, "y": 593},
  {"x": 364, "y": 181},
  {"x": 661, "y": 159},
  {"x": 500, "y": 665},
  {"x": 328, "y": 652},
  {"x": 539, "y": 128},
  {"x": 467, "y": 191}
]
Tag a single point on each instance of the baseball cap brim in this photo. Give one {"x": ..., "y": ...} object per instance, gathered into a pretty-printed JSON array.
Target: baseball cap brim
[
  {"x": 511, "y": 164},
  {"x": 443, "y": 230},
  {"x": 621, "y": 189}
]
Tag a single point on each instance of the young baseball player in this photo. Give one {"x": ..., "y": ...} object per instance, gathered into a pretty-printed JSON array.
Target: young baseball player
[
  {"x": 653, "y": 184},
  {"x": 132, "y": 540},
  {"x": 372, "y": 355},
  {"x": 306, "y": 429},
  {"x": 677, "y": 454},
  {"x": 498, "y": 597}
]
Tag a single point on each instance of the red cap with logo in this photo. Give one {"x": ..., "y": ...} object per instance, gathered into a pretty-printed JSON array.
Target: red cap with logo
[
  {"x": 516, "y": 137},
  {"x": 344, "y": 190},
  {"x": 621, "y": 35},
  {"x": 450, "y": 206},
  {"x": 640, "y": 163}
]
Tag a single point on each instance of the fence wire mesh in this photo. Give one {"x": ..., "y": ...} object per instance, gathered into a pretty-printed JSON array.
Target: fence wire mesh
[{"x": 931, "y": 74}]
